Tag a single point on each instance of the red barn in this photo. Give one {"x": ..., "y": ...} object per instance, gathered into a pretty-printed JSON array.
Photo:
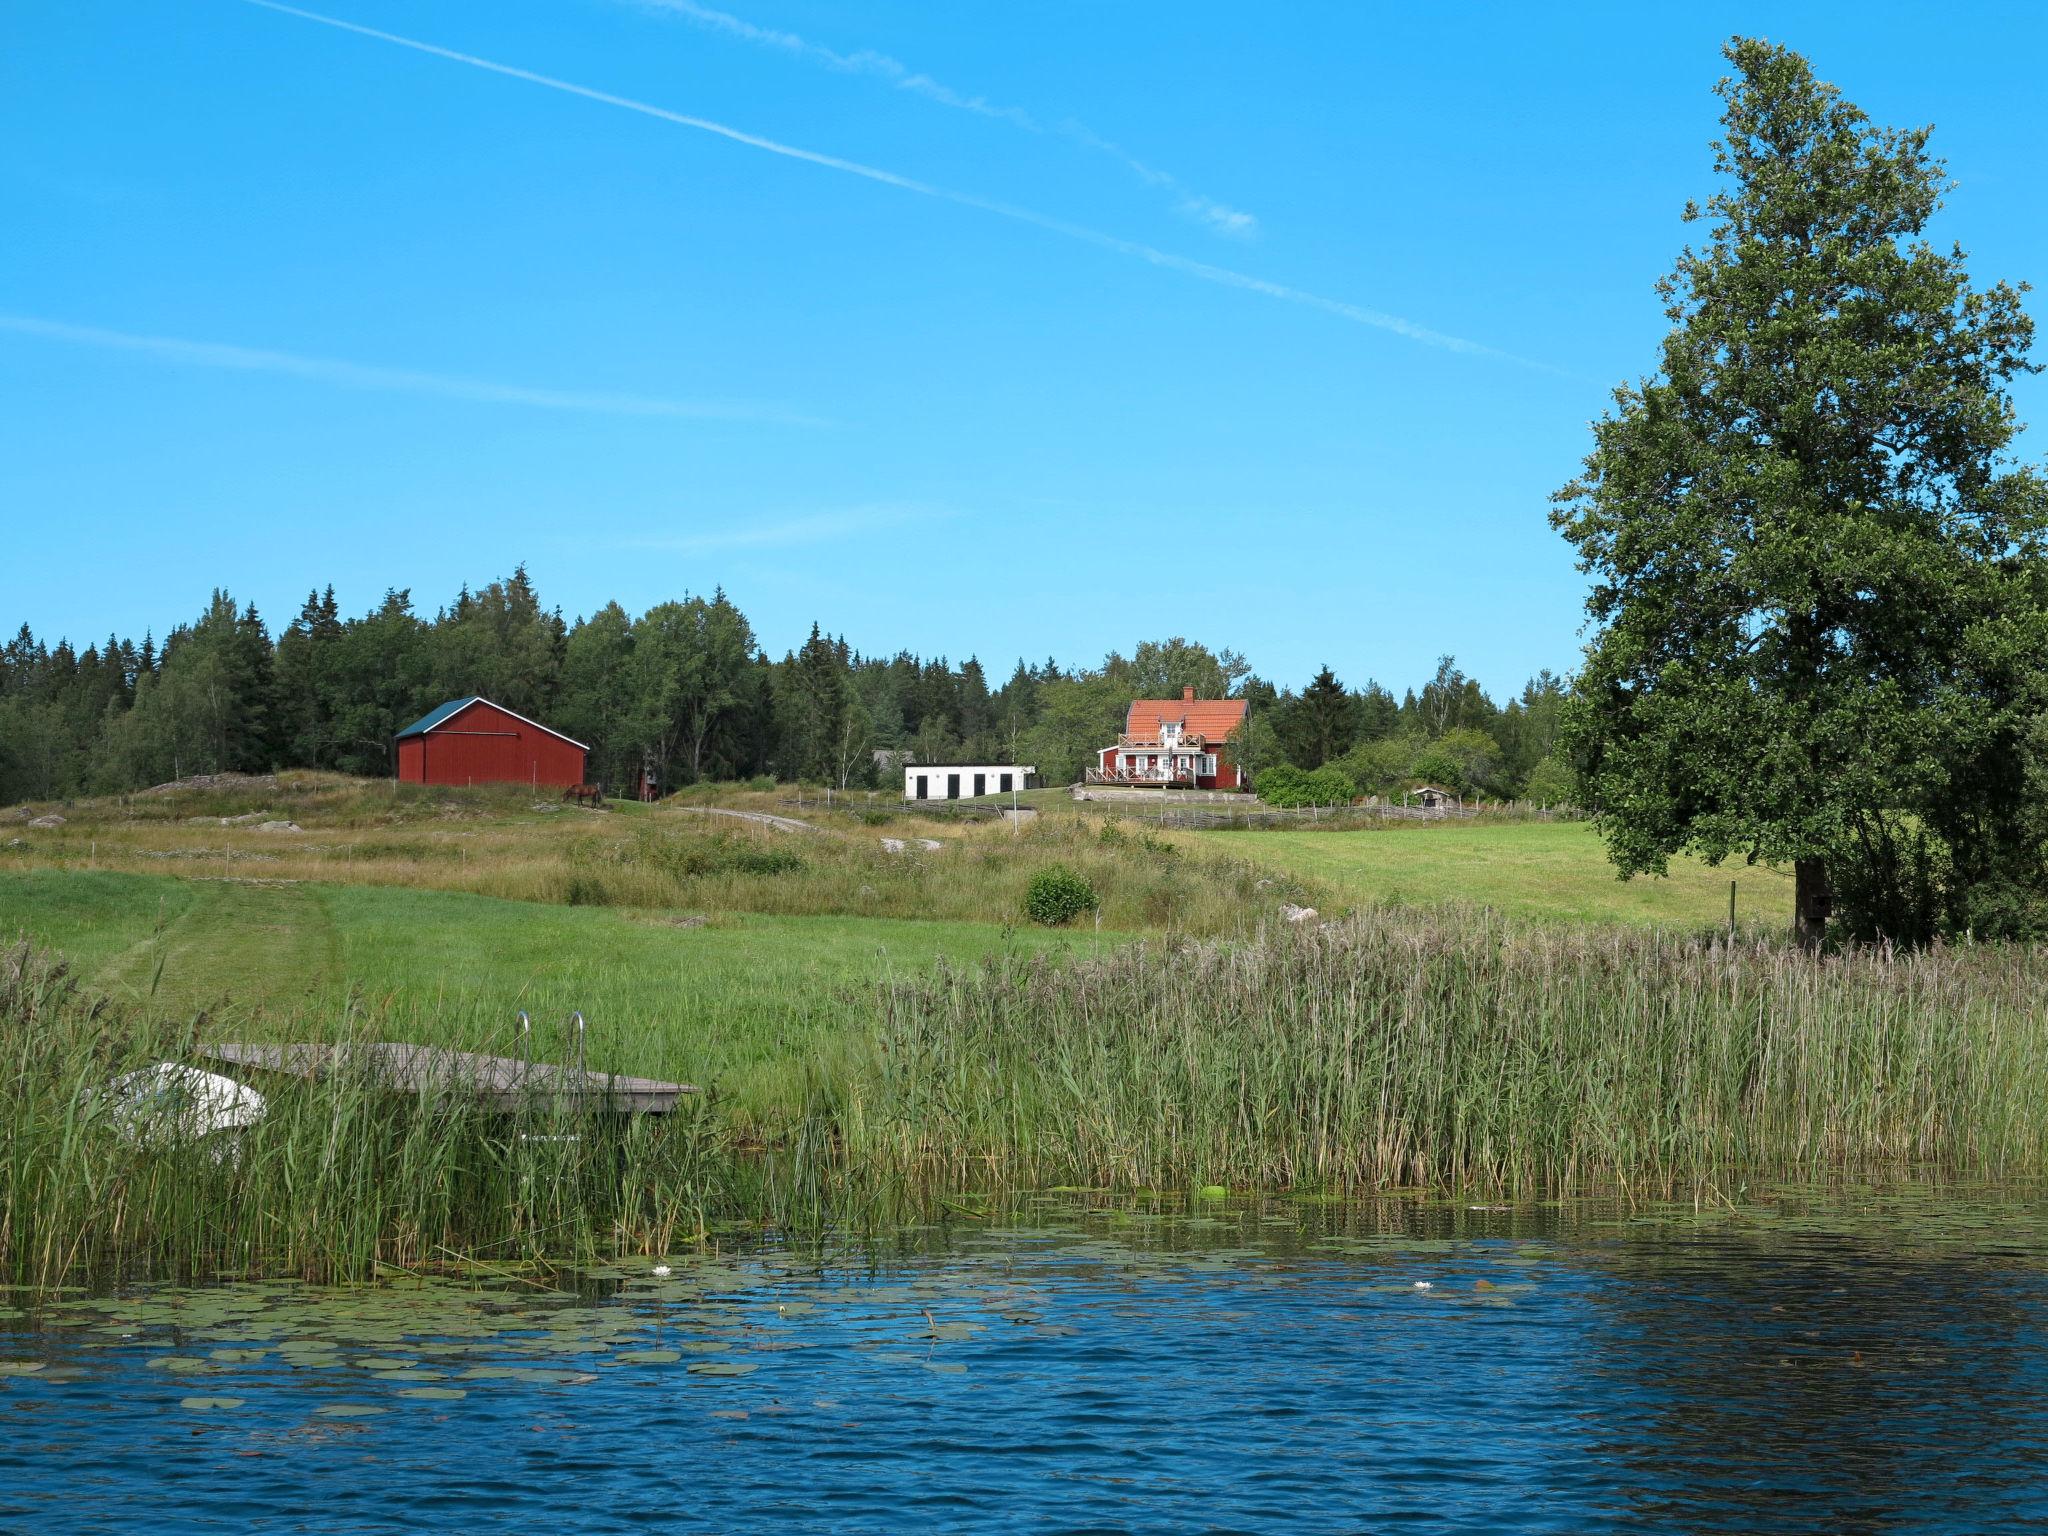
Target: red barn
[
  {"x": 1181, "y": 743},
  {"x": 473, "y": 741}
]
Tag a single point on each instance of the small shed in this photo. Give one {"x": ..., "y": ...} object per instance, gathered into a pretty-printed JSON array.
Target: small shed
[
  {"x": 963, "y": 781},
  {"x": 473, "y": 741},
  {"x": 1429, "y": 797}
]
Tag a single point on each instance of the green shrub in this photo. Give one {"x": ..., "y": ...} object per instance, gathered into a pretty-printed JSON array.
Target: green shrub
[
  {"x": 1287, "y": 786},
  {"x": 586, "y": 891},
  {"x": 1058, "y": 895},
  {"x": 1551, "y": 782},
  {"x": 761, "y": 783}
]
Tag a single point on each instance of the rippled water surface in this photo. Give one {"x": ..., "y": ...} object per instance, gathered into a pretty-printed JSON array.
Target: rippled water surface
[{"x": 1854, "y": 1364}]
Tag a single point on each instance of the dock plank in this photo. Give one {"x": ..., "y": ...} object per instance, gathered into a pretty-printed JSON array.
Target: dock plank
[{"x": 502, "y": 1082}]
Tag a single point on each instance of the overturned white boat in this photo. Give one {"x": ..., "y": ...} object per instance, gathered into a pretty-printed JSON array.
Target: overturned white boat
[{"x": 173, "y": 1102}]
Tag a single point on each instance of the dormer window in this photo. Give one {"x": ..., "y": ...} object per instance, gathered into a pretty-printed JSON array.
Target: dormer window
[{"x": 1169, "y": 733}]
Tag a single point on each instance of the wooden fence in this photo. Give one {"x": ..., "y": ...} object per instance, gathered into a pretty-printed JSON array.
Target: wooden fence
[{"x": 1199, "y": 817}]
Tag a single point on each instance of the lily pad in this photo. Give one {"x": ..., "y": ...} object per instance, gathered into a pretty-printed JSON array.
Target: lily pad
[
  {"x": 209, "y": 1404},
  {"x": 650, "y": 1357},
  {"x": 348, "y": 1410},
  {"x": 722, "y": 1368},
  {"x": 437, "y": 1394}
]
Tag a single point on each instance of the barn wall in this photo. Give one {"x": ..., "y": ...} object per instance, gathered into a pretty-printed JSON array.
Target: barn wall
[
  {"x": 484, "y": 745},
  {"x": 412, "y": 760}
]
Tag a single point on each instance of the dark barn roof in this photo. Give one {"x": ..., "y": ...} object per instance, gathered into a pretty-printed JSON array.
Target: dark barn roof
[
  {"x": 437, "y": 714},
  {"x": 441, "y": 714}
]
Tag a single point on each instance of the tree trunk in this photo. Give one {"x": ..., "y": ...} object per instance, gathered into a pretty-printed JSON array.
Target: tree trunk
[{"x": 1813, "y": 901}]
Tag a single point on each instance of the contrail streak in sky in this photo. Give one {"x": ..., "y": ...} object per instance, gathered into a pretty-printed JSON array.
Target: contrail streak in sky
[
  {"x": 1216, "y": 216},
  {"x": 212, "y": 354},
  {"x": 1224, "y": 276}
]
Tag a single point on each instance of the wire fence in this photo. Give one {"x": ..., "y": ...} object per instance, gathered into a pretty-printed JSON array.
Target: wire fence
[
  {"x": 1188, "y": 815},
  {"x": 1337, "y": 817}
]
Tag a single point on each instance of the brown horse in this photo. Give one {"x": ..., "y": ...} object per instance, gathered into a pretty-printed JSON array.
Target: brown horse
[{"x": 585, "y": 794}]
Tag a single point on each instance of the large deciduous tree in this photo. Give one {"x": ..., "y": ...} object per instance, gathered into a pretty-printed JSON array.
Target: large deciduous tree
[{"x": 1817, "y": 597}]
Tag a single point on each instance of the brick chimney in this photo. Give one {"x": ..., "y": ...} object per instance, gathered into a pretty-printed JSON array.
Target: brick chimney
[{"x": 1187, "y": 695}]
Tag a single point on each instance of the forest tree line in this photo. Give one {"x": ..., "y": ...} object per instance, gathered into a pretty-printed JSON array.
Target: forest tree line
[{"x": 688, "y": 685}]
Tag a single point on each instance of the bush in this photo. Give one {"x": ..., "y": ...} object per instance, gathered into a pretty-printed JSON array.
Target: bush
[
  {"x": 1058, "y": 895},
  {"x": 1550, "y": 782},
  {"x": 1287, "y": 786},
  {"x": 761, "y": 784},
  {"x": 587, "y": 891}
]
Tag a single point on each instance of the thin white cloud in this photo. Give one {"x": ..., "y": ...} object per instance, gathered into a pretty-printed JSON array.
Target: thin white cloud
[
  {"x": 796, "y": 532},
  {"x": 1206, "y": 211},
  {"x": 323, "y": 370},
  {"x": 1205, "y": 271}
]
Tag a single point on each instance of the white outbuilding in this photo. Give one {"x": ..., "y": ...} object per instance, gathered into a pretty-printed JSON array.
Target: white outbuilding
[{"x": 965, "y": 781}]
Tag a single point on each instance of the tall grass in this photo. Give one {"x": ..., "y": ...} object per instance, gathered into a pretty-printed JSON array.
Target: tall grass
[
  {"x": 341, "y": 1177},
  {"x": 1401, "y": 1048},
  {"x": 506, "y": 842},
  {"x": 1458, "y": 1048}
]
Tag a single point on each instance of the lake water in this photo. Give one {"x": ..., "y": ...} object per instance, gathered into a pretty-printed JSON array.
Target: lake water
[{"x": 1869, "y": 1363}]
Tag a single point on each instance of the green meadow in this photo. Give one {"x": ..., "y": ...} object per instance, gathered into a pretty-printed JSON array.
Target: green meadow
[
  {"x": 881, "y": 1036},
  {"x": 1541, "y": 869},
  {"x": 741, "y": 1002}
]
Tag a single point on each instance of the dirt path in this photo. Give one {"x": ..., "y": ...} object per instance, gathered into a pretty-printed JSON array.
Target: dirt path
[{"x": 760, "y": 818}]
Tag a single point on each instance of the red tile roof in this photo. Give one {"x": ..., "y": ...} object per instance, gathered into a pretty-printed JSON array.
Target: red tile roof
[{"x": 1213, "y": 718}]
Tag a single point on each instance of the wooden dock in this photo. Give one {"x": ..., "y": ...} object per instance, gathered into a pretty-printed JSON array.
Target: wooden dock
[{"x": 500, "y": 1082}]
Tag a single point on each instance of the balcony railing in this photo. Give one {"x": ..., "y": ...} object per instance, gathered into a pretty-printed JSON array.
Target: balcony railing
[{"x": 1165, "y": 778}]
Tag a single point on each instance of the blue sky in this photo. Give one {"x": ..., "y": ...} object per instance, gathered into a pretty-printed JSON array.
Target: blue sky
[{"x": 1037, "y": 330}]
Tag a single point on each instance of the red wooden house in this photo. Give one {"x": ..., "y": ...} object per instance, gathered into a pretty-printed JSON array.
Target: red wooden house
[
  {"x": 473, "y": 741},
  {"x": 1181, "y": 743}
]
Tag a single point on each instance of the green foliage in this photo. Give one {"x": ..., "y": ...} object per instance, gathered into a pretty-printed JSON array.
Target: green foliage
[
  {"x": 684, "y": 688},
  {"x": 1817, "y": 579},
  {"x": 1320, "y": 724},
  {"x": 1384, "y": 767},
  {"x": 825, "y": 728},
  {"x": 1288, "y": 787},
  {"x": 1058, "y": 895},
  {"x": 1463, "y": 760},
  {"x": 1550, "y": 782}
]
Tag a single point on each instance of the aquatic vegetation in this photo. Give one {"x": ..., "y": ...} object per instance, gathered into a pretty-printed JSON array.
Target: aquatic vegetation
[
  {"x": 1401, "y": 1048},
  {"x": 1077, "y": 1336},
  {"x": 1460, "y": 1048},
  {"x": 339, "y": 1177}
]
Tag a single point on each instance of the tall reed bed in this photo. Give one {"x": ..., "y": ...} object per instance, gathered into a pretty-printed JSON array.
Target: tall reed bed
[
  {"x": 1401, "y": 1048},
  {"x": 1458, "y": 1048},
  {"x": 340, "y": 1178}
]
